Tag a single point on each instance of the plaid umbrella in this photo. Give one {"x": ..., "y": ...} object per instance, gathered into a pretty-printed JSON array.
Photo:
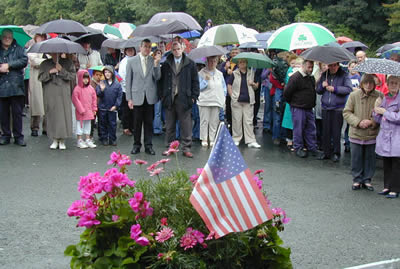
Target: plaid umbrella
[{"x": 379, "y": 66}]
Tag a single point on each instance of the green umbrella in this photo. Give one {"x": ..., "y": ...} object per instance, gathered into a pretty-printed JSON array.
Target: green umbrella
[
  {"x": 255, "y": 60},
  {"x": 19, "y": 35}
]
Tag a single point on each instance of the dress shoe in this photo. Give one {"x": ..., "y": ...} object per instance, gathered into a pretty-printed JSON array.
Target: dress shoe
[
  {"x": 323, "y": 156},
  {"x": 44, "y": 133},
  {"x": 301, "y": 153},
  {"x": 150, "y": 151},
  {"x": 384, "y": 192},
  {"x": 34, "y": 133},
  {"x": 4, "y": 141},
  {"x": 368, "y": 187},
  {"x": 135, "y": 150},
  {"x": 392, "y": 195},
  {"x": 20, "y": 142},
  {"x": 316, "y": 153},
  {"x": 188, "y": 154},
  {"x": 346, "y": 148},
  {"x": 356, "y": 186},
  {"x": 335, "y": 158}
]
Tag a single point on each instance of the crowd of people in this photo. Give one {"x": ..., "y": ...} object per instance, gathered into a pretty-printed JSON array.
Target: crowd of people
[{"x": 306, "y": 104}]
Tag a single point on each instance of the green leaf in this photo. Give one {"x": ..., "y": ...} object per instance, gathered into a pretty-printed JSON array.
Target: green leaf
[
  {"x": 71, "y": 251},
  {"x": 103, "y": 263},
  {"x": 127, "y": 261}
]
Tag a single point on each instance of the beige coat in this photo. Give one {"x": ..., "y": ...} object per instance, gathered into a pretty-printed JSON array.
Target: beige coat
[
  {"x": 57, "y": 97},
  {"x": 35, "y": 86},
  {"x": 359, "y": 107},
  {"x": 237, "y": 82}
]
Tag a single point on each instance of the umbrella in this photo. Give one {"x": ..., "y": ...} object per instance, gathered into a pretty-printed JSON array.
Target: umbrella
[
  {"x": 327, "y": 54},
  {"x": 19, "y": 35},
  {"x": 343, "y": 39},
  {"x": 384, "y": 48},
  {"x": 227, "y": 34},
  {"x": 352, "y": 45},
  {"x": 125, "y": 28},
  {"x": 113, "y": 43},
  {"x": 167, "y": 17},
  {"x": 379, "y": 66},
  {"x": 207, "y": 51},
  {"x": 170, "y": 27},
  {"x": 29, "y": 28},
  {"x": 252, "y": 45},
  {"x": 136, "y": 41},
  {"x": 388, "y": 53},
  {"x": 108, "y": 30},
  {"x": 255, "y": 60},
  {"x": 94, "y": 39},
  {"x": 333, "y": 44},
  {"x": 61, "y": 27},
  {"x": 264, "y": 36},
  {"x": 300, "y": 36},
  {"x": 190, "y": 34},
  {"x": 57, "y": 45}
]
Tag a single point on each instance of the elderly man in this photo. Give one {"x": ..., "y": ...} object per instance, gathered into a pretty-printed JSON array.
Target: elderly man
[
  {"x": 179, "y": 91},
  {"x": 142, "y": 74},
  {"x": 361, "y": 56},
  {"x": 13, "y": 59},
  {"x": 300, "y": 94}
]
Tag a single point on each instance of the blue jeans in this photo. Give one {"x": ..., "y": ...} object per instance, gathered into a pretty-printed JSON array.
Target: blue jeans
[
  {"x": 267, "y": 121},
  {"x": 196, "y": 122},
  {"x": 157, "y": 123},
  {"x": 276, "y": 114}
]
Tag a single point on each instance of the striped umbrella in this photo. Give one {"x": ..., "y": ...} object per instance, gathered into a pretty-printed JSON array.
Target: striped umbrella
[
  {"x": 227, "y": 34},
  {"x": 125, "y": 28},
  {"x": 300, "y": 36},
  {"x": 108, "y": 30}
]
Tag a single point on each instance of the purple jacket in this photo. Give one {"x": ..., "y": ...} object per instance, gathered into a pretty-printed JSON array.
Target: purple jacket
[
  {"x": 388, "y": 140},
  {"x": 343, "y": 87}
]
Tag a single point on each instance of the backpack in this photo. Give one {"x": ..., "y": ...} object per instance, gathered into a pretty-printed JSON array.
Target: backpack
[{"x": 280, "y": 69}]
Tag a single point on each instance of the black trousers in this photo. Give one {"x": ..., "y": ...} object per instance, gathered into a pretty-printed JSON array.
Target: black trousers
[
  {"x": 332, "y": 122},
  {"x": 143, "y": 117},
  {"x": 127, "y": 114},
  {"x": 15, "y": 104},
  {"x": 391, "y": 173},
  {"x": 228, "y": 112},
  {"x": 257, "y": 97}
]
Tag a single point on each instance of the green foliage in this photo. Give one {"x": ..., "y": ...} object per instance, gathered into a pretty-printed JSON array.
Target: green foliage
[{"x": 308, "y": 14}]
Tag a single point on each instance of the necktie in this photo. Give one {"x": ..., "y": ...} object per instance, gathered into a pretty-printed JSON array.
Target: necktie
[{"x": 177, "y": 63}]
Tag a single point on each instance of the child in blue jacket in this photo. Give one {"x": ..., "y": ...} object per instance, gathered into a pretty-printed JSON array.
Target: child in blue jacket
[{"x": 109, "y": 92}]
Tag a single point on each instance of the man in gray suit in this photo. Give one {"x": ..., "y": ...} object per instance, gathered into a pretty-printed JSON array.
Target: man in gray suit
[{"x": 142, "y": 73}]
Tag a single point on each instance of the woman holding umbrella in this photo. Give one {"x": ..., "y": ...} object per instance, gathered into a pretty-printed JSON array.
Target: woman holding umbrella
[{"x": 55, "y": 75}]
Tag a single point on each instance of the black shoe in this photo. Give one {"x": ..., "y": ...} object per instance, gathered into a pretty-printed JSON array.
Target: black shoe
[
  {"x": 4, "y": 141},
  {"x": 113, "y": 143},
  {"x": 368, "y": 187},
  {"x": 301, "y": 153},
  {"x": 335, "y": 158},
  {"x": 34, "y": 133},
  {"x": 135, "y": 150},
  {"x": 356, "y": 186},
  {"x": 346, "y": 148},
  {"x": 323, "y": 156},
  {"x": 316, "y": 153},
  {"x": 44, "y": 133},
  {"x": 384, "y": 192},
  {"x": 150, "y": 151},
  {"x": 20, "y": 142}
]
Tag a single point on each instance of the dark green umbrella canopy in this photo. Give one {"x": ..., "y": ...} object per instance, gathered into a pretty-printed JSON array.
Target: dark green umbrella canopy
[
  {"x": 19, "y": 35},
  {"x": 255, "y": 60}
]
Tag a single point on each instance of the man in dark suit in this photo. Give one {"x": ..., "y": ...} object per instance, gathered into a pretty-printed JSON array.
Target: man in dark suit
[
  {"x": 179, "y": 91},
  {"x": 142, "y": 73}
]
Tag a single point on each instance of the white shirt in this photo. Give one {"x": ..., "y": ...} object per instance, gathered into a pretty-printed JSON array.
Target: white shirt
[{"x": 143, "y": 60}]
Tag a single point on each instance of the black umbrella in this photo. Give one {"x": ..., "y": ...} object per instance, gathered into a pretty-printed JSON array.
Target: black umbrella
[
  {"x": 62, "y": 27},
  {"x": 94, "y": 39},
  {"x": 327, "y": 54},
  {"x": 167, "y": 17},
  {"x": 57, "y": 45},
  {"x": 137, "y": 40},
  {"x": 352, "y": 45},
  {"x": 384, "y": 48},
  {"x": 207, "y": 51},
  {"x": 379, "y": 66},
  {"x": 172, "y": 27},
  {"x": 113, "y": 43}
]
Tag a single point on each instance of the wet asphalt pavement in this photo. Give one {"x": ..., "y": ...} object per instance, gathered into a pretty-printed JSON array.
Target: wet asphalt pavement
[{"x": 332, "y": 226}]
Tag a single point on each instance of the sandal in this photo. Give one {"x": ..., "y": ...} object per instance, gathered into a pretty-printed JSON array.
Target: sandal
[
  {"x": 356, "y": 186},
  {"x": 368, "y": 186}
]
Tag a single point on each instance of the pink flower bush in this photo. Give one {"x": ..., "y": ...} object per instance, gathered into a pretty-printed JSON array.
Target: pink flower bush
[
  {"x": 90, "y": 185},
  {"x": 85, "y": 211},
  {"x": 135, "y": 231},
  {"x": 143, "y": 241},
  {"x": 258, "y": 182},
  {"x": 279, "y": 212},
  {"x": 115, "y": 179},
  {"x": 119, "y": 159},
  {"x": 164, "y": 234},
  {"x": 139, "y": 205},
  {"x": 115, "y": 218},
  {"x": 191, "y": 238},
  {"x": 140, "y": 162}
]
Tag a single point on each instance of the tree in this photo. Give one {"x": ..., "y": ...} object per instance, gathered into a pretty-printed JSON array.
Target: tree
[{"x": 308, "y": 14}]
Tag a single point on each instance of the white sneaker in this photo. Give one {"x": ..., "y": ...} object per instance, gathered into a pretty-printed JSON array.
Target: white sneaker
[
  {"x": 254, "y": 145},
  {"x": 54, "y": 145},
  {"x": 211, "y": 144},
  {"x": 204, "y": 143},
  {"x": 90, "y": 144},
  {"x": 61, "y": 145},
  {"x": 80, "y": 144},
  {"x": 237, "y": 143}
]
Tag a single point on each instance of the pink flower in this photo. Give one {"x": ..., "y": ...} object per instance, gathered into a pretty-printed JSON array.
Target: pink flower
[
  {"x": 164, "y": 161},
  {"x": 259, "y": 171},
  {"x": 199, "y": 170},
  {"x": 268, "y": 201},
  {"x": 139, "y": 205},
  {"x": 135, "y": 231},
  {"x": 204, "y": 245},
  {"x": 140, "y": 162},
  {"x": 164, "y": 222},
  {"x": 156, "y": 172},
  {"x": 193, "y": 179},
  {"x": 119, "y": 159},
  {"x": 174, "y": 144},
  {"x": 77, "y": 209},
  {"x": 153, "y": 166},
  {"x": 114, "y": 158},
  {"x": 148, "y": 211},
  {"x": 210, "y": 236},
  {"x": 258, "y": 182},
  {"x": 143, "y": 241},
  {"x": 160, "y": 255},
  {"x": 115, "y": 218},
  {"x": 114, "y": 179},
  {"x": 198, "y": 235},
  {"x": 188, "y": 241},
  {"x": 164, "y": 235},
  {"x": 88, "y": 221},
  {"x": 85, "y": 211},
  {"x": 286, "y": 220},
  {"x": 90, "y": 185}
]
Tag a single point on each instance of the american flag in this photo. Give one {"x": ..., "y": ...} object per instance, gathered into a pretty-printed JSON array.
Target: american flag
[{"x": 225, "y": 195}]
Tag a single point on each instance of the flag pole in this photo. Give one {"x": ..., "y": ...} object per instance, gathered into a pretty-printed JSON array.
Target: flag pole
[{"x": 216, "y": 136}]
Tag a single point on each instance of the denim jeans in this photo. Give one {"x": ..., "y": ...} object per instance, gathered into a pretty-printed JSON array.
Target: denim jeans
[
  {"x": 196, "y": 122},
  {"x": 276, "y": 114},
  {"x": 268, "y": 99},
  {"x": 157, "y": 123}
]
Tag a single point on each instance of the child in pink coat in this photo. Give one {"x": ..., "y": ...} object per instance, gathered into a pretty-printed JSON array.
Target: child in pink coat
[{"x": 84, "y": 99}]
